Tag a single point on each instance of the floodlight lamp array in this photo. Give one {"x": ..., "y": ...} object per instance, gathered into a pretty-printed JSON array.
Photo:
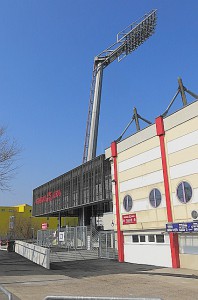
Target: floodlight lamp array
[
  {"x": 137, "y": 33},
  {"x": 129, "y": 39}
]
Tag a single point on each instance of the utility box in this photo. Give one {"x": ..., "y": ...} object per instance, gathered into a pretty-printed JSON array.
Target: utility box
[{"x": 10, "y": 246}]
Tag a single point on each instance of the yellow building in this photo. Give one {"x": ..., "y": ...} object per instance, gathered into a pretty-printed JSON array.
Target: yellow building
[{"x": 17, "y": 221}]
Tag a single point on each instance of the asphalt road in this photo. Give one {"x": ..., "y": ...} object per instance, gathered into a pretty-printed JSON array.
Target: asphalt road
[{"x": 101, "y": 277}]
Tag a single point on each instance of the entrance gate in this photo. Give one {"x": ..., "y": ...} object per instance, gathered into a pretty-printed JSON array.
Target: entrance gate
[
  {"x": 107, "y": 244},
  {"x": 77, "y": 243}
]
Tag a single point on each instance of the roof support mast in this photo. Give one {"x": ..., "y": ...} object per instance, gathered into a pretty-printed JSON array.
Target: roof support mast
[{"x": 128, "y": 40}]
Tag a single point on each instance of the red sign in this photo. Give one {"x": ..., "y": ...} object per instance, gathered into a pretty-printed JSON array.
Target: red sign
[
  {"x": 129, "y": 219},
  {"x": 49, "y": 197},
  {"x": 44, "y": 226}
]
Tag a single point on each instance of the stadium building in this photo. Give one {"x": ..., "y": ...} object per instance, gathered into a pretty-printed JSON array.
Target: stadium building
[
  {"x": 155, "y": 192},
  {"x": 145, "y": 187}
]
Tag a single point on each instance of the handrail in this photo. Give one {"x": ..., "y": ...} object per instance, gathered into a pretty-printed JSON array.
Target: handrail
[
  {"x": 8, "y": 294},
  {"x": 94, "y": 298}
]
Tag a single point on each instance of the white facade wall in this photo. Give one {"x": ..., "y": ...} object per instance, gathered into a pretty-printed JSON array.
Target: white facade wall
[
  {"x": 147, "y": 253},
  {"x": 141, "y": 181}
]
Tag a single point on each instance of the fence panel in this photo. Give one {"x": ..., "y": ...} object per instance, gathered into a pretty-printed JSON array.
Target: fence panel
[{"x": 107, "y": 245}]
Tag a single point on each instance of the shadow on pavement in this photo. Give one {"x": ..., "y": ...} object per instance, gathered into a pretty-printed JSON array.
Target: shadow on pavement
[
  {"x": 13, "y": 264},
  {"x": 79, "y": 269}
]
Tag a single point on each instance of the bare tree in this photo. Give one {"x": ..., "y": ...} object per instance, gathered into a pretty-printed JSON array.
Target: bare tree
[
  {"x": 9, "y": 151},
  {"x": 22, "y": 226}
]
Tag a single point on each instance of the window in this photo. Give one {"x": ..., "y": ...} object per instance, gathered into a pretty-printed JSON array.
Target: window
[
  {"x": 188, "y": 244},
  {"x": 159, "y": 238},
  {"x": 155, "y": 198},
  {"x": 184, "y": 192},
  {"x": 127, "y": 203},
  {"x": 135, "y": 238},
  {"x": 147, "y": 239},
  {"x": 142, "y": 239},
  {"x": 151, "y": 238}
]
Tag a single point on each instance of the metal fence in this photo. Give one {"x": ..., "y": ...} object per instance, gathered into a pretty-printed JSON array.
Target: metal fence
[
  {"x": 107, "y": 245},
  {"x": 81, "y": 242},
  {"x": 47, "y": 238},
  {"x": 68, "y": 238}
]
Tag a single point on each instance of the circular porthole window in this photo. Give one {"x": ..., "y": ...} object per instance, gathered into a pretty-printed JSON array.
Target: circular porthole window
[
  {"x": 127, "y": 203},
  {"x": 155, "y": 198},
  {"x": 184, "y": 192}
]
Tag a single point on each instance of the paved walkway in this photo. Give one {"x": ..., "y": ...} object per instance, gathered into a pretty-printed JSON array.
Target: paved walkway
[{"x": 101, "y": 277}]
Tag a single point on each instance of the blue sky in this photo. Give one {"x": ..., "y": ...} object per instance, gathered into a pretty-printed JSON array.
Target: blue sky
[{"x": 47, "y": 50}]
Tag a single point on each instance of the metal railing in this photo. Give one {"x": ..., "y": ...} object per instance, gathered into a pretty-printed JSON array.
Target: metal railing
[
  {"x": 94, "y": 298},
  {"x": 6, "y": 294}
]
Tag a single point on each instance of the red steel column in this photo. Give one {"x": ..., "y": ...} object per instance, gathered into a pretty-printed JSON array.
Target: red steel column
[
  {"x": 119, "y": 232},
  {"x": 173, "y": 236}
]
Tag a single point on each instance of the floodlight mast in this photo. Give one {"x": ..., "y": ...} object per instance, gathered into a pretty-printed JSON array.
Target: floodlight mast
[{"x": 128, "y": 40}]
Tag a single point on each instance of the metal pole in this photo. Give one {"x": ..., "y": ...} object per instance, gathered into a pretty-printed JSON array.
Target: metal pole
[
  {"x": 95, "y": 113},
  {"x": 145, "y": 120},
  {"x": 59, "y": 222},
  {"x": 171, "y": 103},
  {"x": 33, "y": 234},
  {"x": 83, "y": 216},
  {"x": 181, "y": 88},
  {"x": 136, "y": 119},
  {"x": 120, "y": 137},
  {"x": 191, "y": 93}
]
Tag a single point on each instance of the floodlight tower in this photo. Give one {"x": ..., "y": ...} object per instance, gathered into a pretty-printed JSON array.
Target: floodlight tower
[{"x": 128, "y": 40}]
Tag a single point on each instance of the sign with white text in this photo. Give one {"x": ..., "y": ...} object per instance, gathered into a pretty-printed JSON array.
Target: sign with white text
[
  {"x": 129, "y": 219},
  {"x": 182, "y": 227}
]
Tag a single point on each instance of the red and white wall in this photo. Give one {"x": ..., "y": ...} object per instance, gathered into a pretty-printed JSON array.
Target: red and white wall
[{"x": 158, "y": 158}]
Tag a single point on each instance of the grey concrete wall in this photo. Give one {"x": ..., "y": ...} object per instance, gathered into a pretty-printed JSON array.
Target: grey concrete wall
[{"x": 37, "y": 254}]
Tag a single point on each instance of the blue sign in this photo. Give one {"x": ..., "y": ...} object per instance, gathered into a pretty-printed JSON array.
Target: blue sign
[{"x": 182, "y": 227}]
